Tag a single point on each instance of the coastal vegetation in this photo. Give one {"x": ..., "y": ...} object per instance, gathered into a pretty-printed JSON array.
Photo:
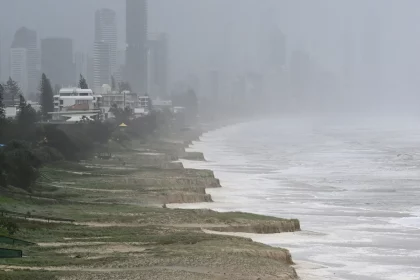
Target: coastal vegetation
[{"x": 94, "y": 217}]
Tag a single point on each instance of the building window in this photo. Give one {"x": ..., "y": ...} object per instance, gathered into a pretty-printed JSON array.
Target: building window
[{"x": 61, "y": 102}]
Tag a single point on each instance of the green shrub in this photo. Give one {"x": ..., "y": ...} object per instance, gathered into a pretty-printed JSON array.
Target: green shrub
[
  {"x": 48, "y": 154},
  {"x": 8, "y": 227}
]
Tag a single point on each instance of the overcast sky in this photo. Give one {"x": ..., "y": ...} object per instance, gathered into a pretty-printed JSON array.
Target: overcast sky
[{"x": 221, "y": 34}]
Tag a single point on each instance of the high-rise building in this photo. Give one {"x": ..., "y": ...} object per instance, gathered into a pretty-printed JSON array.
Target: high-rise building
[
  {"x": 158, "y": 65},
  {"x": 101, "y": 66},
  {"x": 57, "y": 61},
  {"x": 19, "y": 67},
  {"x": 27, "y": 39},
  {"x": 106, "y": 32},
  {"x": 136, "y": 55}
]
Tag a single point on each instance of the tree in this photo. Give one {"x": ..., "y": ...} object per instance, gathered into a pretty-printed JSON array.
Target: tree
[
  {"x": 124, "y": 86},
  {"x": 26, "y": 119},
  {"x": 121, "y": 115},
  {"x": 22, "y": 102},
  {"x": 12, "y": 89},
  {"x": 113, "y": 84},
  {"x": 82, "y": 82},
  {"x": 2, "y": 110},
  {"x": 47, "y": 97},
  {"x": 20, "y": 165},
  {"x": 3, "y": 174}
]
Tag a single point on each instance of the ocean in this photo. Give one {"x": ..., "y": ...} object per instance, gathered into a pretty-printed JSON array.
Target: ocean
[{"x": 354, "y": 184}]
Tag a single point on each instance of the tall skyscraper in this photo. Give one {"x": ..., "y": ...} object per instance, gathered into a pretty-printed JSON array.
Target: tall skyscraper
[
  {"x": 101, "y": 66},
  {"x": 19, "y": 67},
  {"x": 158, "y": 65},
  {"x": 57, "y": 61},
  {"x": 136, "y": 55},
  {"x": 27, "y": 39},
  {"x": 106, "y": 32}
]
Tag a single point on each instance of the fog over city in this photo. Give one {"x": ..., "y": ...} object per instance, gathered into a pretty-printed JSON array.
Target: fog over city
[
  {"x": 363, "y": 53},
  {"x": 210, "y": 139}
]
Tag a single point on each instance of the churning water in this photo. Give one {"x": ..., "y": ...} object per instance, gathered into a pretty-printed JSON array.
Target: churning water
[{"x": 353, "y": 184}]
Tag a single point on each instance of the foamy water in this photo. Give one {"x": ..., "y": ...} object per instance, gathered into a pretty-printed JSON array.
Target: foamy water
[{"x": 354, "y": 185}]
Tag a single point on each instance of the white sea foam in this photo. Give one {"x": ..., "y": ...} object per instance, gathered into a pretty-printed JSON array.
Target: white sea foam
[{"x": 354, "y": 187}]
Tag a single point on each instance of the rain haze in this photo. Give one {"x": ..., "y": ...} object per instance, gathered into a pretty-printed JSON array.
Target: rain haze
[
  {"x": 366, "y": 49},
  {"x": 305, "y": 110}
]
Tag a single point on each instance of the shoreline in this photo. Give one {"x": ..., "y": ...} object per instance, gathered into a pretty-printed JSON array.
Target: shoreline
[
  {"x": 120, "y": 227},
  {"x": 303, "y": 268}
]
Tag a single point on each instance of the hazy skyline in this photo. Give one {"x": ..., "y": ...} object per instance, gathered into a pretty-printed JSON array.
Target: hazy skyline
[{"x": 226, "y": 35}]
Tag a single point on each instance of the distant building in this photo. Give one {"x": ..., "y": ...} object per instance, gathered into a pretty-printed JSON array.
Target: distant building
[
  {"x": 72, "y": 104},
  {"x": 136, "y": 53},
  {"x": 57, "y": 61},
  {"x": 122, "y": 100},
  {"x": 160, "y": 104},
  {"x": 19, "y": 68},
  {"x": 144, "y": 101},
  {"x": 101, "y": 65},
  {"x": 27, "y": 39},
  {"x": 106, "y": 32},
  {"x": 158, "y": 65}
]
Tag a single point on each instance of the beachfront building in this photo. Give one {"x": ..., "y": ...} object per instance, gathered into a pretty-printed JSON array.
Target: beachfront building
[
  {"x": 121, "y": 100},
  {"x": 144, "y": 102},
  {"x": 160, "y": 104},
  {"x": 73, "y": 104}
]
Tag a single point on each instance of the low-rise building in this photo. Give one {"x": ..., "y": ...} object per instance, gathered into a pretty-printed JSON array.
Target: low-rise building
[
  {"x": 159, "y": 104},
  {"x": 72, "y": 104}
]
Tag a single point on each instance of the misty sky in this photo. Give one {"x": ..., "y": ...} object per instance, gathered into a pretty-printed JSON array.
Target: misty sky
[{"x": 226, "y": 34}]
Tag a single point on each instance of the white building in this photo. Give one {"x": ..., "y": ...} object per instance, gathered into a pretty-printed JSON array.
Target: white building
[
  {"x": 106, "y": 31},
  {"x": 101, "y": 65},
  {"x": 122, "y": 100},
  {"x": 72, "y": 104},
  {"x": 19, "y": 68}
]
